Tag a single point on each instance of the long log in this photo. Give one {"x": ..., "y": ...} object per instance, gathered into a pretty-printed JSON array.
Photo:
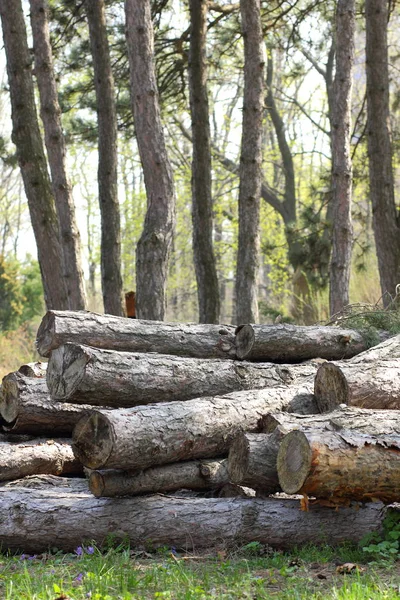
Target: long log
[
  {"x": 146, "y": 436},
  {"x": 54, "y": 457},
  {"x": 340, "y": 465},
  {"x": 295, "y": 343},
  {"x": 191, "y": 475},
  {"x": 26, "y": 407},
  {"x": 374, "y": 385},
  {"x": 99, "y": 377},
  {"x": 134, "y": 335},
  {"x": 32, "y": 520}
]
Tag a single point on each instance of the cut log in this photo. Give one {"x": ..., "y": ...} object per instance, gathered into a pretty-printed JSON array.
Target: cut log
[
  {"x": 363, "y": 420},
  {"x": 34, "y": 520},
  {"x": 48, "y": 482},
  {"x": 252, "y": 461},
  {"x": 134, "y": 335},
  {"x": 373, "y": 385},
  {"x": 231, "y": 490},
  {"x": 189, "y": 475},
  {"x": 87, "y": 375},
  {"x": 26, "y": 407},
  {"x": 54, "y": 457},
  {"x": 342, "y": 465},
  {"x": 135, "y": 439},
  {"x": 295, "y": 343},
  {"x": 35, "y": 369},
  {"x": 387, "y": 350}
]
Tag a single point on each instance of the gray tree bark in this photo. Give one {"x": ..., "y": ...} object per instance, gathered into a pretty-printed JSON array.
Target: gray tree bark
[
  {"x": 50, "y": 113},
  {"x": 133, "y": 335},
  {"x": 188, "y": 523},
  {"x": 346, "y": 465},
  {"x": 294, "y": 343},
  {"x": 111, "y": 277},
  {"x": 385, "y": 217},
  {"x": 83, "y": 374},
  {"x": 202, "y": 202},
  {"x": 31, "y": 157},
  {"x": 342, "y": 169},
  {"x": 250, "y": 164},
  {"x": 154, "y": 246},
  {"x": 190, "y": 475},
  {"x": 388, "y": 349},
  {"x": 156, "y": 434}
]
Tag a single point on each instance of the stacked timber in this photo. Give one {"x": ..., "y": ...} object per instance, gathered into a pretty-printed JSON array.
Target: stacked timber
[{"x": 161, "y": 408}]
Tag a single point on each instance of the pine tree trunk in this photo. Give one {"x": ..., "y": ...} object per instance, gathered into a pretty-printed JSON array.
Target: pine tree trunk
[
  {"x": 31, "y": 157},
  {"x": 250, "y": 164},
  {"x": 202, "y": 204},
  {"x": 154, "y": 246},
  {"x": 342, "y": 170},
  {"x": 108, "y": 159}
]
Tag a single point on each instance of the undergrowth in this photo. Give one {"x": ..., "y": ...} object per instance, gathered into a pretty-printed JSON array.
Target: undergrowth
[
  {"x": 369, "y": 320},
  {"x": 18, "y": 347}
]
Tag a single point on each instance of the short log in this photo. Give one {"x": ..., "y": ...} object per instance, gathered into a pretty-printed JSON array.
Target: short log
[
  {"x": 340, "y": 465},
  {"x": 87, "y": 375},
  {"x": 54, "y": 457},
  {"x": 146, "y": 436},
  {"x": 374, "y": 385},
  {"x": 26, "y": 407},
  {"x": 133, "y": 335},
  {"x": 190, "y": 475},
  {"x": 295, "y": 343},
  {"x": 35, "y": 369},
  {"x": 33, "y": 520}
]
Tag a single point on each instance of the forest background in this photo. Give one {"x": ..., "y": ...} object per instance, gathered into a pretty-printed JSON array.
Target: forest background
[{"x": 301, "y": 70}]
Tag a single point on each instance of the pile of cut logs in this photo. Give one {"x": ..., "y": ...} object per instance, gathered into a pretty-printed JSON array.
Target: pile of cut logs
[{"x": 196, "y": 435}]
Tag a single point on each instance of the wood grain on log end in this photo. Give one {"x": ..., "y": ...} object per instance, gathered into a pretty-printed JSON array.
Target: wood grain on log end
[
  {"x": 96, "y": 484},
  {"x": 44, "y": 336},
  {"x": 244, "y": 340},
  {"x": 238, "y": 459},
  {"x": 9, "y": 402},
  {"x": 66, "y": 370},
  {"x": 294, "y": 461},
  {"x": 330, "y": 387},
  {"x": 93, "y": 440}
]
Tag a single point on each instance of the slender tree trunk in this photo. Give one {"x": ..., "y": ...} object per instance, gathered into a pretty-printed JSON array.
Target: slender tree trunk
[
  {"x": 108, "y": 160},
  {"x": 384, "y": 212},
  {"x": 342, "y": 171},
  {"x": 31, "y": 156},
  {"x": 54, "y": 139},
  {"x": 250, "y": 164},
  {"x": 204, "y": 259},
  {"x": 154, "y": 246}
]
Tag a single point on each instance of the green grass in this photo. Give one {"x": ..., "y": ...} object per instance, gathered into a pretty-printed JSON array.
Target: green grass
[{"x": 253, "y": 572}]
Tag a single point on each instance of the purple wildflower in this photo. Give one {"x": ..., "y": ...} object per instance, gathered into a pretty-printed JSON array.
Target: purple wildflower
[
  {"x": 90, "y": 550},
  {"x": 79, "y": 551},
  {"x": 79, "y": 578}
]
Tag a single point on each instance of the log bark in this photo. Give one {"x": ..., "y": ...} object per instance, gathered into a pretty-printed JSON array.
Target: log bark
[
  {"x": 295, "y": 343},
  {"x": 54, "y": 457},
  {"x": 82, "y": 374},
  {"x": 252, "y": 461},
  {"x": 35, "y": 369},
  {"x": 388, "y": 349},
  {"x": 191, "y": 475},
  {"x": 343, "y": 465},
  {"x": 134, "y": 335},
  {"x": 374, "y": 385},
  {"x": 67, "y": 519},
  {"x": 26, "y": 407},
  {"x": 156, "y": 434}
]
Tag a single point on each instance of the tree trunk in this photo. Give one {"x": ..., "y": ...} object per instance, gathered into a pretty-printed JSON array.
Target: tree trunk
[
  {"x": 252, "y": 461},
  {"x": 50, "y": 113},
  {"x": 342, "y": 230},
  {"x": 154, "y": 246},
  {"x": 26, "y": 407},
  {"x": 134, "y": 439},
  {"x": 370, "y": 385},
  {"x": 65, "y": 519},
  {"x": 111, "y": 278},
  {"x": 384, "y": 212},
  {"x": 338, "y": 466},
  {"x": 292, "y": 343},
  {"x": 186, "y": 475},
  {"x": 202, "y": 203},
  {"x": 31, "y": 157},
  {"x": 83, "y": 374},
  {"x": 250, "y": 171},
  {"x": 103, "y": 331},
  {"x": 54, "y": 457}
]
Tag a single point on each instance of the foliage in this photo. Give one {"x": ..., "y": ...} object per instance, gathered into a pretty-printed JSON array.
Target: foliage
[
  {"x": 387, "y": 545},
  {"x": 18, "y": 347},
  {"x": 370, "y": 320}
]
